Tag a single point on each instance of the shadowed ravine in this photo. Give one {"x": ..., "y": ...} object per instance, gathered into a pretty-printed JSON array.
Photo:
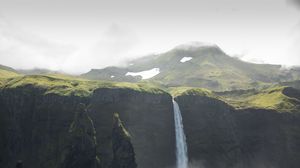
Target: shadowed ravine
[{"x": 181, "y": 147}]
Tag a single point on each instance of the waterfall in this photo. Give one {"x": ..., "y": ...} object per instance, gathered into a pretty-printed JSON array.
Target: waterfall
[{"x": 181, "y": 147}]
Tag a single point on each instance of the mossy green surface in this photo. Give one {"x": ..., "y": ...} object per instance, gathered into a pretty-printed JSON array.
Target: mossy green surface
[
  {"x": 6, "y": 74},
  {"x": 69, "y": 85},
  {"x": 118, "y": 124},
  {"x": 66, "y": 85},
  {"x": 270, "y": 98},
  {"x": 181, "y": 91}
]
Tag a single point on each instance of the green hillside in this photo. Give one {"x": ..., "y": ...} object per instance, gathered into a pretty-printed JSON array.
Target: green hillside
[
  {"x": 209, "y": 68},
  {"x": 6, "y": 73},
  {"x": 68, "y": 85},
  {"x": 279, "y": 98}
]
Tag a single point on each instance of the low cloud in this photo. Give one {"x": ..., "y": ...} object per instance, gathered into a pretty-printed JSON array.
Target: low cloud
[
  {"x": 23, "y": 50},
  {"x": 115, "y": 45},
  {"x": 294, "y": 49},
  {"x": 295, "y": 3}
]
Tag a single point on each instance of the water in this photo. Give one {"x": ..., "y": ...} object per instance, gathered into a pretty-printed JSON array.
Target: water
[{"x": 181, "y": 147}]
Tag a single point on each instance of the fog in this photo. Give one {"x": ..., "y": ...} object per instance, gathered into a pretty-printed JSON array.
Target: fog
[{"x": 75, "y": 36}]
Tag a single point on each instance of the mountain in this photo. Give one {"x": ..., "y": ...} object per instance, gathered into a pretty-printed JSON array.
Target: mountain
[
  {"x": 36, "y": 71},
  {"x": 204, "y": 66},
  {"x": 3, "y": 67}
]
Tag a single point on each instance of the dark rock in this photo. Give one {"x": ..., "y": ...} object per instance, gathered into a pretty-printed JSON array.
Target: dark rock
[
  {"x": 223, "y": 137},
  {"x": 123, "y": 152},
  {"x": 81, "y": 149},
  {"x": 147, "y": 117},
  {"x": 19, "y": 164},
  {"x": 34, "y": 126}
]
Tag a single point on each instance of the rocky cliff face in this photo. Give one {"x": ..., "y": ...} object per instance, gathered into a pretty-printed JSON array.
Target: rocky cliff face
[
  {"x": 35, "y": 128},
  {"x": 123, "y": 152},
  {"x": 80, "y": 150},
  {"x": 220, "y": 136},
  {"x": 147, "y": 117}
]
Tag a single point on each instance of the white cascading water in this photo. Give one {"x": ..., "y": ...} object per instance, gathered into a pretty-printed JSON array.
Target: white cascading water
[{"x": 181, "y": 147}]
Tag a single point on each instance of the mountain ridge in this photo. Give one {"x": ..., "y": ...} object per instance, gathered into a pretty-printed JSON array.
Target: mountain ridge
[{"x": 207, "y": 66}]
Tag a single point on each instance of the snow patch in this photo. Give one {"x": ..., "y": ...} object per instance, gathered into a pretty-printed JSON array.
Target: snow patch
[
  {"x": 112, "y": 76},
  {"x": 185, "y": 59},
  {"x": 145, "y": 74}
]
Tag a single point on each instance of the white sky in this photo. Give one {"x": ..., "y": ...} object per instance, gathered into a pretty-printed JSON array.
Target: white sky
[{"x": 77, "y": 35}]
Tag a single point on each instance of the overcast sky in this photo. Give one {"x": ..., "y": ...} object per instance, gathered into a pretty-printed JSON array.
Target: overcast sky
[{"x": 77, "y": 35}]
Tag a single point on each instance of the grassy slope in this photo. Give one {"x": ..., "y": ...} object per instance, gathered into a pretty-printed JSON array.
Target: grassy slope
[
  {"x": 182, "y": 91},
  {"x": 211, "y": 68},
  {"x": 4, "y": 74},
  {"x": 7, "y": 73},
  {"x": 274, "y": 98},
  {"x": 68, "y": 85},
  {"x": 271, "y": 98}
]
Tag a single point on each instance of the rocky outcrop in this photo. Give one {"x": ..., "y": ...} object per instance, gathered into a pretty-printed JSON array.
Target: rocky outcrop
[
  {"x": 147, "y": 117},
  {"x": 81, "y": 148},
  {"x": 123, "y": 152},
  {"x": 220, "y": 136}
]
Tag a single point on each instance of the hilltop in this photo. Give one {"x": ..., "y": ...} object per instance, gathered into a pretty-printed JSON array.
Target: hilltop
[
  {"x": 205, "y": 66},
  {"x": 6, "y": 73}
]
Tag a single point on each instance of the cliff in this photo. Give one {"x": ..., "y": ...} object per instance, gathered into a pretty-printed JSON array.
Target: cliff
[
  {"x": 43, "y": 124},
  {"x": 224, "y": 135},
  {"x": 123, "y": 152},
  {"x": 80, "y": 150},
  {"x": 147, "y": 117}
]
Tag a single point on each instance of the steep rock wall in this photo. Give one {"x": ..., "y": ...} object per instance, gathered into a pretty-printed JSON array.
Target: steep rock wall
[
  {"x": 220, "y": 136},
  {"x": 147, "y": 117},
  {"x": 80, "y": 150},
  {"x": 34, "y": 126}
]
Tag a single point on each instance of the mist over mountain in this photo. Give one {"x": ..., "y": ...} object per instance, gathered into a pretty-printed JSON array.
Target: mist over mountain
[{"x": 198, "y": 65}]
